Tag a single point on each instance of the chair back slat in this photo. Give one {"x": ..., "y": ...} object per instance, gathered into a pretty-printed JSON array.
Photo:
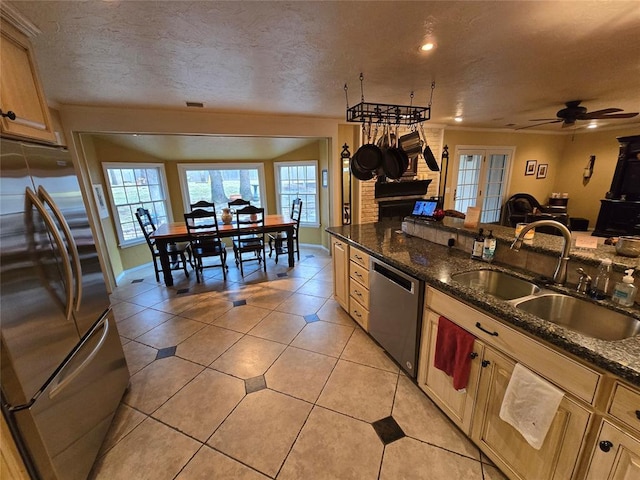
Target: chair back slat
[
  {"x": 296, "y": 211},
  {"x": 238, "y": 202},
  {"x": 146, "y": 224},
  {"x": 204, "y": 205},
  {"x": 201, "y": 222}
]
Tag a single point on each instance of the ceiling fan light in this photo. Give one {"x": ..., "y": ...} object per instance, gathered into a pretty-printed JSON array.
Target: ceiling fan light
[
  {"x": 458, "y": 119},
  {"x": 427, "y": 46}
]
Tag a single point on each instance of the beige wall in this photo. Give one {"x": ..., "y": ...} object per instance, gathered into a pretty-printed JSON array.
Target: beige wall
[{"x": 566, "y": 155}]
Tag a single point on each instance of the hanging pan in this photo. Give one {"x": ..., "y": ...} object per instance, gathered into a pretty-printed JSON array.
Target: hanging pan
[
  {"x": 358, "y": 172},
  {"x": 393, "y": 162},
  {"x": 369, "y": 155},
  {"x": 429, "y": 158}
]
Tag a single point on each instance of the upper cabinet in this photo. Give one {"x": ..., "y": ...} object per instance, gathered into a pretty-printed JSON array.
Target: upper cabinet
[{"x": 20, "y": 89}]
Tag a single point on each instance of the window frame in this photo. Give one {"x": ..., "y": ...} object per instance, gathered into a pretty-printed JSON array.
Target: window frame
[
  {"x": 122, "y": 243},
  {"x": 184, "y": 187},
  {"x": 279, "y": 206}
]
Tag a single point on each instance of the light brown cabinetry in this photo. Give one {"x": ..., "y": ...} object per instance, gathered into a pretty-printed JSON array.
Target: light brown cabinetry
[
  {"x": 340, "y": 254},
  {"x": 616, "y": 455},
  {"x": 20, "y": 89},
  {"x": 476, "y": 410},
  {"x": 559, "y": 454},
  {"x": 458, "y": 405},
  {"x": 359, "y": 287}
]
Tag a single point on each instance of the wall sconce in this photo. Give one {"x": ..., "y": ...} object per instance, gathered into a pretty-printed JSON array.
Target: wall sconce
[{"x": 588, "y": 170}]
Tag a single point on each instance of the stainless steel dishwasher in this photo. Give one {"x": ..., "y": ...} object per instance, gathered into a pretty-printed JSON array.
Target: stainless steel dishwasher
[{"x": 395, "y": 316}]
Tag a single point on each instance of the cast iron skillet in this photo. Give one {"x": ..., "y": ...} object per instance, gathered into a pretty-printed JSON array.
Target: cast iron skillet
[
  {"x": 393, "y": 163},
  {"x": 430, "y": 159},
  {"x": 358, "y": 172},
  {"x": 369, "y": 156}
]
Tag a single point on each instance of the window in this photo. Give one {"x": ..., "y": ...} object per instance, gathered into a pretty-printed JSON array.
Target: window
[
  {"x": 132, "y": 186},
  {"x": 221, "y": 183},
  {"x": 481, "y": 177},
  {"x": 298, "y": 179}
]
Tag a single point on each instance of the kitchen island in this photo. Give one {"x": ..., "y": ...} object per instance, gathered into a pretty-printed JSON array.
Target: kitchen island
[
  {"x": 595, "y": 432},
  {"x": 435, "y": 264}
]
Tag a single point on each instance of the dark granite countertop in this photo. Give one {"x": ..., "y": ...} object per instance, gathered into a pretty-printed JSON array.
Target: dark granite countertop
[{"x": 434, "y": 264}]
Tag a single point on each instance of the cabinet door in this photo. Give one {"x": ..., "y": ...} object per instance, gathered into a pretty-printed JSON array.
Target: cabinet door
[
  {"x": 616, "y": 455},
  {"x": 340, "y": 253},
  {"x": 458, "y": 405},
  {"x": 557, "y": 459},
  {"x": 20, "y": 90}
]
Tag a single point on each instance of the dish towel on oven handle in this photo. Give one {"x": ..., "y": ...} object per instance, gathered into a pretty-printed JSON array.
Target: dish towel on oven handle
[
  {"x": 530, "y": 403},
  {"x": 453, "y": 352}
]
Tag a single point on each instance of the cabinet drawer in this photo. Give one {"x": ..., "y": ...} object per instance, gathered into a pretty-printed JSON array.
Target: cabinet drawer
[
  {"x": 360, "y": 293},
  {"x": 625, "y": 406},
  {"x": 359, "y": 313},
  {"x": 359, "y": 274},
  {"x": 359, "y": 257},
  {"x": 565, "y": 372}
]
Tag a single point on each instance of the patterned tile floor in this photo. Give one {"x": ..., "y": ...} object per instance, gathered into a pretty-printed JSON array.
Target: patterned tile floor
[{"x": 267, "y": 377}]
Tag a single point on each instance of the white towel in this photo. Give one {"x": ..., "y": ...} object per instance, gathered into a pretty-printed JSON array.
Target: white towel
[{"x": 529, "y": 405}]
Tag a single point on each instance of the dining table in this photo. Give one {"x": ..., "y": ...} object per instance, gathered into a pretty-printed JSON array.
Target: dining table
[{"x": 168, "y": 233}]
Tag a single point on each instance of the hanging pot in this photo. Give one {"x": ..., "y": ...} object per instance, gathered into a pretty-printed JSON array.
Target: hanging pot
[
  {"x": 359, "y": 173},
  {"x": 393, "y": 162},
  {"x": 411, "y": 143}
]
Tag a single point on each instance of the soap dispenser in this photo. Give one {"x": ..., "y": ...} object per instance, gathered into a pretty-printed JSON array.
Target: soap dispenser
[{"x": 624, "y": 293}]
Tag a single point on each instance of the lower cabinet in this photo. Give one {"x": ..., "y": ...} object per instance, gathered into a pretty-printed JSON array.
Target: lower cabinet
[
  {"x": 458, "y": 405},
  {"x": 616, "y": 455},
  {"x": 558, "y": 456},
  {"x": 340, "y": 254}
]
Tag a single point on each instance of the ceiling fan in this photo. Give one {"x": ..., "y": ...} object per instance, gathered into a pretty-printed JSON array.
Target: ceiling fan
[{"x": 574, "y": 112}]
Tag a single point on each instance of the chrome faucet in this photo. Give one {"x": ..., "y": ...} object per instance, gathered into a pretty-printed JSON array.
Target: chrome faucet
[{"x": 560, "y": 275}]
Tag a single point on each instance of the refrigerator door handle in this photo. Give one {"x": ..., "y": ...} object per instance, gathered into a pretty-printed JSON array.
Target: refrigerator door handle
[
  {"x": 73, "y": 249},
  {"x": 66, "y": 379},
  {"x": 32, "y": 200}
]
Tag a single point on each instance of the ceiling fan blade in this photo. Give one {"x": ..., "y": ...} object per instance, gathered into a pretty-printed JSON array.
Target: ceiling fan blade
[
  {"x": 594, "y": 115},
  {"x": 538, "y": 124},
  {"x": 604, "y": 111}
]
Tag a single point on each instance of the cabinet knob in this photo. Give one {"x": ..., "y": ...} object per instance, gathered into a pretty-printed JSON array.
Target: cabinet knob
[
  {"x": 638, "y": 414},
  {"x": 485, "y": 363},
  {"x": 605, "y": 445},
  {"x": 473, "y": 355},
  {"x": 10, "y": 115}
]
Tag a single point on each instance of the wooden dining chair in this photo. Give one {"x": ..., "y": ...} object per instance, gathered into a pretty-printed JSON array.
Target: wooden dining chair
[
  {"x": 204, "y": 237},
  {"x": 278, "y": 240},
  {"x": 251, "y": 240},
  {"x": 204, "y": 205},
  {"x": 178, "y": 251},
  {"x": 238, "y": 203}
]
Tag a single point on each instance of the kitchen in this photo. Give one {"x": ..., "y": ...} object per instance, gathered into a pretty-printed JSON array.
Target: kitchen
[{"x": 114, "y": 119}]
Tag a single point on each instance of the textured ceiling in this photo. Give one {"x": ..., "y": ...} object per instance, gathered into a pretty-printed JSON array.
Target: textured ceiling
[{"x": 498, "y": 64}]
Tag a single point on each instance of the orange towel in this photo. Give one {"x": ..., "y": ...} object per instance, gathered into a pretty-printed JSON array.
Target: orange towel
[{"x": 453, "y": 352}]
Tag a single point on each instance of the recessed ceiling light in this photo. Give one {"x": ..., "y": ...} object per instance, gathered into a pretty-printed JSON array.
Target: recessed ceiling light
[
  {"x": 592, "y": 125},
  {"x": 427, "y": 46},
  {"x": 458, "y": 119}
]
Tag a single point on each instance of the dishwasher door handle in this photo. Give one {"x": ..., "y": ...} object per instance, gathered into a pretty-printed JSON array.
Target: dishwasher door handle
[{"x": 400, "y": 280}]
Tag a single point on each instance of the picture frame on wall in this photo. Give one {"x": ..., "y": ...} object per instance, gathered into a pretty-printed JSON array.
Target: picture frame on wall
[
  {"x": 542, "y": 170},
  {"x": 530, "y": 168},
  {"x": 325, "y": 178},
  {"x": 101, "y": 200}
]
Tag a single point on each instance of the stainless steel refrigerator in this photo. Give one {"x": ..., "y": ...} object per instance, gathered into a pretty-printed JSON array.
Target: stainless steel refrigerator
[{"x": 63, "y": 371}]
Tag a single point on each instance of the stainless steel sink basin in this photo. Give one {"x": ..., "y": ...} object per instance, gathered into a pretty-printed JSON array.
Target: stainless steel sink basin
[
  {"x": 498, "y": 284},
  {"x": 581, "y": 316}
]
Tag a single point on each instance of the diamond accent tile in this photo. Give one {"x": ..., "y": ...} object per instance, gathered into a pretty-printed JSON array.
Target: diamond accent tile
[
  {"x": 388, "y": 430},
  {"x": 311, "y": 318},
  {"x": 255, "y": 384},
  {"x": 283, "y": 275},
  {"x": 166, "y": 352},
  {"x": 239, "y": 303},
  {"x": 309, "y": 256},
  {"x": 183, "y": 290},
  {"x": 137, "y": 280}
]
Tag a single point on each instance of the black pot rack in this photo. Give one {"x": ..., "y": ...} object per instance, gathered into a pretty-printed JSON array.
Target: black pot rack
[{"x": 385, "y": 113}]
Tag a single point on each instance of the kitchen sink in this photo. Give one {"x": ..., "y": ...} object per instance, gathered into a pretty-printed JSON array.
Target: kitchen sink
[
  {"x": 581, "y": 316},
  {"x": 497, "y": 284}
]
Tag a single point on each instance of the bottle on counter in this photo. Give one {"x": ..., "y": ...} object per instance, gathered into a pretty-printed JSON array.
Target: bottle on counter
[
  {"x": 600, "y": 285},
  {"x": 478, "y": 245},
  {"x": 489, "y": 248},
  {"x": 624, "y": 293}
]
